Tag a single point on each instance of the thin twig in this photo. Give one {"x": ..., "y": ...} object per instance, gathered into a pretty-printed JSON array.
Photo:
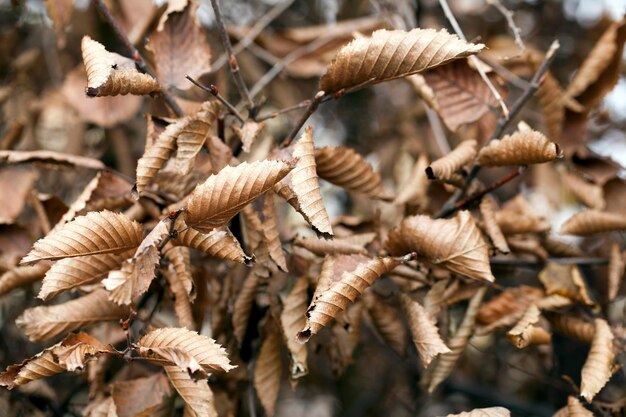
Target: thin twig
[
  {"x": 134, "y": 53},
  {"x": 300, "y": 105},
  {"x": 44, "y": 223},
  {"x": 234, "y": 66},
  {"x": 459, "y": 31},
  {"x": 508, "y": 75},
  {"x": 305, "y": 116},
  {"x": 212, "y": 89},
  {"x": 252, "y": 34},
  {"x": 508, "y": 15}
]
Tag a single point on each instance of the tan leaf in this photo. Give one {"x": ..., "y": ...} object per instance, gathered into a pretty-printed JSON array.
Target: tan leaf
[
  {"x": 77, "y": 348},
  {"x": 572, "y": 327},
  {"x": 455, "y": 244},
  {"x": 487, "y": 212},
  {"x": 551, "y": 99},
  {"x": 301, "y": 188},
  {"x": 588, "y": 193},
  {"x": 589, "y": 222},
  {"x": 45, "y": 322},
  {"x": 180, "y": 259},
  {"x": 423, "y": 90},
  {"x": 267, "y": 372},
  {"x": 333, "y": 268},
  {"x": 293, "y": 319},
  {"x": 617, "y": 262},
  {"x": 565, "y": 280},
  {"x": 179, "y": 280},
  {"x": 110, "y": 74},
  {"x": 600, "y": 70},
  {"x": 354, "y": 244},
  {"x": 560, "y": 249},
  {"x": 243, "y": 305},
  {"x": 387, "y": 322},
  {"x": 141, "y": 397},
  {"x": 214, "y": 202},
  {"x": 507, "y": 308},
  {"x": 484, "y": 412},
  {"x": 180, "y": 48},
  {"x": 16, "y": 184},
  {"x": 345, "y": 168},
  {"x": 514, "y": 222},
  {"x": 157, "y": 154},
  {"x": 94, "y": 233},
  {"x": 425, "y": 333},
  {"x": 50, "y": 157},
  {"x": 248, "y": 133},
  {"x": 598, "y": 367},
  {"x": 341, "y": 293},
  {"x": 446, "y": 361},
  {"x": 528, "y": 244},
  {"x": 525, "y": 333},
  {"x": 169, "y": 355},
  {"x": 576, "y": 409},
  {"x": 414, "y": 190},
  {"x": 345, "y": 338},
  {"x": 210, "y": 355},
  {"x": 60, "y": 12},
  {"x": 390, "y": 54},
  {"x": 462, "y": 96},
  {"x": 444, "y": 167},
  {"x": 197, "y": 395},
  {"x": 524, "y": 147},
  {"x": 21, "y": 276},
  {"x": 219, "y": 243},
  {"x": 73, "y": 272}
]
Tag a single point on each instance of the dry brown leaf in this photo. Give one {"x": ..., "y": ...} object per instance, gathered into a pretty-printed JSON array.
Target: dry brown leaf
[
  {"x": 73, "y": 272},
  {"x": 94, "y": 233},
  {"x": 141, "y": 397},
  {"x": 576, "y": 409},
  {"x": 180, "y": 259},
  {"x": 219, "y": 243},
  {"x": 424, "y": 330},
  {"x": 507, "y": 308},
  {"x": 391, "y": 54},
  {"x": 347, "y": 169},
  {"x": 588, "y": 193},
  {"x": 354, "y": 244},
  {"x": 487, "y": 212},
  {"x": 243, "y": 304},
  {"x": 333, "y": 268},
  {"x": 214, "y": 202},
  {"x": 462, "y": 96},
  {"x": 484, "y": 412},
  {"x": 598, "y": 367},
  {"x": 589, "y": 222},
  {"x": 513, "y": 222},
  {"x": 267, "y": 372},
  {"x": 423, "y": 90},
  {"x": 293, "y": 319},
  {"x": 617, "y": 262},
  {"x": 524, "y": 147},
  {"x": 197, "y": 395},
  {"x": 528, "y": 244},
  {"x": 446, "y": 362},
  {"x": 560, "y": 249},
  {"x": 60, "y": 12},
  {"x": 248, "y": 133},
  {"x": 179, "y": 280},
  {"x": 45, "y": 322},
  {"x": 50, "y": 157},
  {"x": 21, "y": 276},
  {"x": 572, "y": 327},
  {"x": 110, "y": 74},
  {"x": 16, "y": 183},
  {"x": 301, "y": 188},
  {"x": 565, "y": 280},
  {"x": 414, "y": 190},
  {"x": 455, "y": 244},
  {"x": 387, "y": 322},
  {"x": 600, "y": 70},
  {"x": 525, "y": 333},
  {"x": 341, "y": 293},
  {"x": 444, "y": 167}
]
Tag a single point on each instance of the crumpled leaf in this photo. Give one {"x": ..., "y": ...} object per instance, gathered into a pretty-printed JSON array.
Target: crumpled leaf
[
  {"x": 214, "y": 202},
  {"x": 598, "y": 367},
  {"x": 293, "y": 319},
  {"x": 444, "y": 167},
  {"x": 391, "y": 54},
  {"x": 484, "y": 412},
  {"x": 565, "y": 280},
  {"x": 248, "y": 133},
  {"x": 589, "y": 222},
  {"x": 94, "y": 233},
  {"x": 455, "y": 244},
  {"x": 267, "y": 372},
  {"x": 525, "y": 333},
  {"x": 110, "y": 74},
  {"x": 261, "y": 220}
]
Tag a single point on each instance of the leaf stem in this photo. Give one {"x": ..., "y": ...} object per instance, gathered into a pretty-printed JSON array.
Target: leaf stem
[
  {"x": 212, "y": 89},
  {"x": 314, "y": 104}
]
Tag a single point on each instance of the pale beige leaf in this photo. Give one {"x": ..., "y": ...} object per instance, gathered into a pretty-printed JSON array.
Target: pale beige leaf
[
  {"x": 157, "y": 154},
  {"x": 141, "y": 397},
  {"x": 588, "y": 193},
  {"x": 455, "y": 244},
  {"x": 387, "y": 322},
  {"x": 180, "y": 282},
  {"x": 21, "y": 276},
  {"x": 219, "y": 243},
  {"x": 524, "y": 147},
  {"x": 345, "y": 168},
  {"x": 248, "y": 133},
  {"x": 192, "y": 135},
  {"x": 301, "y": 188},
  {"x": 293, "y": 319},
  {"x": 487, "y": 212},
  {"x": 341, "y": 293},
  {"x": 390, "y": 54},
  {"x": 598, "y": 367},
  {"x": 615, "y": 274},
  {"x": 576, "y": 409},
  {"x": 214, "y": 202},
  {"x": 197, "y": 395},
  {"x": 73, "y": 272},
  {"x": 484, "y": 412},
  {"x": 210, "y": 355},
  {"x": 94, "y": 233},
  {"x": 565, "y": 280},
  {"x": 444, "y": 167},
  {"x": 354, "y": 244},
  {"x": 45, "y": 322},
  {"x": 425, "y": 332},
  {"x": 525, "y": 333},
  {"x": 16, "y": 183},
  {"x": 110, "y": 74},
  {"x": 243, "y": 304},
  {"x": 267, "y": 372},
  {"x": 589, "y": 222},
  {"x": 414, "y": 190}
]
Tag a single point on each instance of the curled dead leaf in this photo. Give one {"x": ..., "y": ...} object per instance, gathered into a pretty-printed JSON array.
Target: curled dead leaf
[
  {"x": 524, "y": 147},
  {"x": 589, "y": 222},
  {"x": 598, "y": 367},
  {"x": 444, "y": 167}
]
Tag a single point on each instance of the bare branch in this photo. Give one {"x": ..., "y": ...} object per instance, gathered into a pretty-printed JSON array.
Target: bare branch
[
  {"x": 211, "y": 89},
  {"x": 508, "y": 15}
]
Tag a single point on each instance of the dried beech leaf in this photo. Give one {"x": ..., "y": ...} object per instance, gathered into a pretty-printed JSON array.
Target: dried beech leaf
[
  {"x": 525, "y": 334},
  {"x": 180, "y": 259},
  {"x": 333, "y": 268},
  {"x": 110, "y": 74},
  {"x": 16, "y": 184},
  {"x": 598, "y": 367},
  {"x": 354, "y": 244},
  {"x": 141, "y": 397},
  {"x": 267, "y": 373},
  {"x": 301, "y": 188},
  {"x": 617, "y": 262},
  {"x": 423, "y": 90},
  {"x": 214, "y": 202},
  {"x": 243, "y": 305},
  {"x": 168, "y": 355},
  {"x": 197, "y": 395},
  {"x": 210, "y": 355},
  {"x": 192, "y": 134},
  {"x": 21, "y": 276},
  {"x": 446, "y": 362},
  {"x": 77, "y": 348},
  {"x": 571, "y": 327},
  {"x": 387, "y": 322},
  {"x": 576, "y": 409},
  {"x": 414, "y": 190},
  {"x": 45, "y": 322},
  {"x": 560, "y": 249},
  {"x": 484, "y": 412},
  {"x": 347, "y": 169},
  {"x": 462, "y": 96},
  {"x": 506, "y": 308},
  {"x": 219, "y": 243},
  {"x": 179, "y": 280},
  {"x": 524, "y": 147},
  {"x": 455, "y": 244},
  {"x": 293, "y": 319},
  {"x": 589, "y": 222},
  {"x": 345, "y": 338},
  {"x": 94, "y": 233},
  {"x": 551, "y": 98},
  {"x": 248, "y": 133},
  {"x": 73, "y": 272},
  {"x": 444, "y": 167},
  {"x": 341, "y": 293},
  {"x": 50, "y": 157},
  {"x": 487, "y": 212},
  {"x": 425, "y": 333},
  {"x": 587, "y": 193},
  {"x": 262, "y": 231},
  {"x": 565, "y": 280},
  {"x": 391, "y": 54},
  {"x": 513, "y": 222}
]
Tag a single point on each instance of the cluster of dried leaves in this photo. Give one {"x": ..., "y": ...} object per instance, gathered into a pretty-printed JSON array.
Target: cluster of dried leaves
[{"x": 196, "y": 281}]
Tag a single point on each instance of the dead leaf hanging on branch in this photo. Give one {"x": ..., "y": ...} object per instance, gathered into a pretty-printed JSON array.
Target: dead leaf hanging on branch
[
  {"x": 444, "y": 167},
  {"x": 598, "y": 367}
]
